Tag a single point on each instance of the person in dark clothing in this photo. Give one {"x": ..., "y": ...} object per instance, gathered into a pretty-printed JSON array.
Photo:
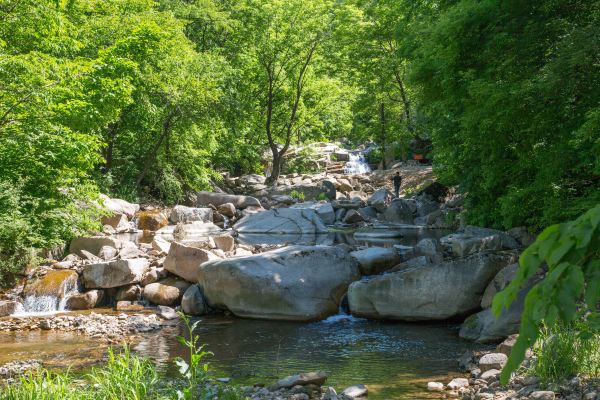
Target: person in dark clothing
[{"x": 397, "y": 179}]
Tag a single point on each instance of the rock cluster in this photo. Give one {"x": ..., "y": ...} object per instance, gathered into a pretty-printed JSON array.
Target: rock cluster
[
  {"x": 111, "y": 328},
  {"x": 484, "y": 371}
]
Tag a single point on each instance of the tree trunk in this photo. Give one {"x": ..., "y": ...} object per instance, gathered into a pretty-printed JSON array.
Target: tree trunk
[
  {"x": 383, "y": 138},
  {"x": 167, "y": 125},
  {"x": 276, "y": 171}
]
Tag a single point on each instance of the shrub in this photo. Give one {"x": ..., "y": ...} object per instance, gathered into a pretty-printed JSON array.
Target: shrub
[
  {"x": 565, "y": 351},
  {"x": 295, "y": 194}
]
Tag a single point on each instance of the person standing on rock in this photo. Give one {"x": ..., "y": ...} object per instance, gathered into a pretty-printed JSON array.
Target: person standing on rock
[{"x": 397, "y": 179}]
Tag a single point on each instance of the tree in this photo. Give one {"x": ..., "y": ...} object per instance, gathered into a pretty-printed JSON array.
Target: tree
[
  {"x": 512, "y": 92},
  {"x": 277, "y": 46}
]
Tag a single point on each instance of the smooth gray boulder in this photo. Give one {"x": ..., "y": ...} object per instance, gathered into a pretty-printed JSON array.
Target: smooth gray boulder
[
  {"x": 85, "y": 301},
  {"x": 193, "y": 302},
  {"x": 282, "y": 220},
  {"x": 324, "y": 210},
  {"x": 498, "y": 284},
  {"x": 298, "y": 283},
  {"x": 376, "y": 260},
  {"x": 119, "y": 206},
  {"x": 216, "y": 199},
  {"x": 380, "y": 199},
  {"x": 93, "y": 244},
  {"x": 462, "y": 244},
  {"x": 114, "y": 273},
  {"x": 184, "y": 261},
  {"x": 427, "y": 292},
  {"x": 183, "y": 214},
  {"x": 167, "y": 292},
  {"x": 400, "y": 211}
]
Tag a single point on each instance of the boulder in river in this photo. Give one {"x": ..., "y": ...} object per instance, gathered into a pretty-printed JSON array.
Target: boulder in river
[
  {"x": 184, "y": 261},
  {"x": 56, "y": 283},
  {"x": 193, "y": 302},
  {"x": 428, "y": 292},
  {"x": 85, "y": 301},
  {"x": 282, "y": 221},
  {"x": 167, "y": 292},
  {"x": 324, "y": 210},
  {"x": 92, "y": 244},
  {"x": 151, "y": 220},
  {"x": 376, "y": 260},
  {"x": 114, "y": 273},
  {"x": 217, "y": 199},
  {"x": 380, "y": 199},
  {"x": 400, "y": 211},
  {"x": 190, "y": 214},
  {"x": 300, "y": 283},
  {"x": 8, "y": 307}
]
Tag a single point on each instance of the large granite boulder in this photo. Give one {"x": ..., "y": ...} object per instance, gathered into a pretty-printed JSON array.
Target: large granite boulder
[
  {"x": 193, "y": 302},
  {"x": 400, "y": 211},
  {"x": 184, "y": 261},
  {"x": 114, "y": 273},
  {"x": 498, "y": 284},
  {"x": 56, "y": 284},
  {"x": 380, "y": 199},
  {"x": 183, "y": 214},
  {"x": 375, "y": 260},
  {"x": 151, "y": 220},
  {"x": 167, "y": 292},
  {"x": 282, "y": 221},
  {"x": 119, "y": 206},
  {"x": 9, "y": 307},
  {"x": 299, "y": 283},
  {"x": 484, "y": 327},
  {"x": 93, "y": 244},
  {"x": 85, "y": 301},
  {"x": 324, "y": 210},
  {"x": 426, "y": 292},
  {"x": 216, "y": 199}
]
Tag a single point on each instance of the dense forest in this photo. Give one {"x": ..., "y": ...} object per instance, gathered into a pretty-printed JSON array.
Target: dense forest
[{"x": 149, "y": 100}]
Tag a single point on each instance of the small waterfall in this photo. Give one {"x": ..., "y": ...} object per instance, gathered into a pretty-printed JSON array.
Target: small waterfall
[
  {"x": 41, "y": 304},
  {"x": 357, "y": 164}
]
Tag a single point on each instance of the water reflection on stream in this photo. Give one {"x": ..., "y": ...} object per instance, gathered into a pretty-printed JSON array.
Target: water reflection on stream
[{"x": 395, "y": 360}]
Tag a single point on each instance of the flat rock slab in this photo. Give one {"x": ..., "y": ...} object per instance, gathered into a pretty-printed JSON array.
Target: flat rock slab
[
  {"x": 282, "y": 221},
  {"x": 217, "y": 199},
  {"x": 309, "y": 378},
  {"x": 184, "y": 261},
  {"x": 114, "y": 273}
]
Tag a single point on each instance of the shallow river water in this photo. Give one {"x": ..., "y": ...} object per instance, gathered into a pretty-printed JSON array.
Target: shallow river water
[{"x": 395, "y": 360}]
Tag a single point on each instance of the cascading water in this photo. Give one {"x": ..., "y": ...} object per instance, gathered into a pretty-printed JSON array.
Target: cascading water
[
  {"x": 43, "y": 300},
  {"x": 357, "y": 164}
]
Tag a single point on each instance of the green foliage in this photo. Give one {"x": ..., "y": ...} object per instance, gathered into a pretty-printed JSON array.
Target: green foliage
[
  {"x": 562, "y": 352},
  {"x": 511, "y": 91},
  {"x": 571, "y": 286},
  {"x": 295, "y": 194},
  {"x": 303, "y": 162},
  {"x": 124, "y": 377},
  {"x": 322, "y": 197},
  {"x": 195, "y": 372}
]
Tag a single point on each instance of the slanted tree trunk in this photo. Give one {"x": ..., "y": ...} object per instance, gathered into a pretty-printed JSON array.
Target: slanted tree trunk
[
  {"x": 383, "y": 134},
  {"x": 151, "y": 156}
]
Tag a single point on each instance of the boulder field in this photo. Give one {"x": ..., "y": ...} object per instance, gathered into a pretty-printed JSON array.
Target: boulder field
[{"x": 193, "y": 263}]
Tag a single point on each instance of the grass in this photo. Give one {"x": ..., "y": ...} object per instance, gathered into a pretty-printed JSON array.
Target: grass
[{"x": 566, "y": 351}]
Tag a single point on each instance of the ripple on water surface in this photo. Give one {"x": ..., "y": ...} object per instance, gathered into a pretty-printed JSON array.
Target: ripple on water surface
[{"x": 396, "y": 360}]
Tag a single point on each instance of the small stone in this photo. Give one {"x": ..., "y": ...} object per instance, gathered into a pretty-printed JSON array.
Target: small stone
[
  {"x": 590, "y": 396},
  {"x": 457, "y": 383},
  {"x": 167, "y": 312},
  {"x": 355, "y": 391},
  {"x": 492, "y": 361},
  {"x": 475, "y": 373},
  {"x": 224, "y": 380},
  {"x": 225, "y": 243},
  {"x": 542, "y": 395},
  {"x": 435, "y": 386},
  {"x": 530, "y": 380},
  {"x": 317, "y": 378},
  {"x": 506, "y": 346},
  {"x": 490, "y": 375}
]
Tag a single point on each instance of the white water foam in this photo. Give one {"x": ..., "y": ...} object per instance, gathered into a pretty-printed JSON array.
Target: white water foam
[
  {"x": 357, "y": 164},
  {"x": 44, "y": 305}
]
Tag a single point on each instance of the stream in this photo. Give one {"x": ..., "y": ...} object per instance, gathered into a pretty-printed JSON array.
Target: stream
[{"x": 395, "y": 360}]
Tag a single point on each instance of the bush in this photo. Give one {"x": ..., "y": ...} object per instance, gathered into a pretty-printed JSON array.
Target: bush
[
  {"x": 295, "y": 194},
  {"x": 565, "y": 351},
  {"x": 304, "y": 162}
]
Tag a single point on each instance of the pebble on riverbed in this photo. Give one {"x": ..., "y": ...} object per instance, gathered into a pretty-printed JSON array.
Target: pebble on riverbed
[{"x": 110, "y": 328}]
